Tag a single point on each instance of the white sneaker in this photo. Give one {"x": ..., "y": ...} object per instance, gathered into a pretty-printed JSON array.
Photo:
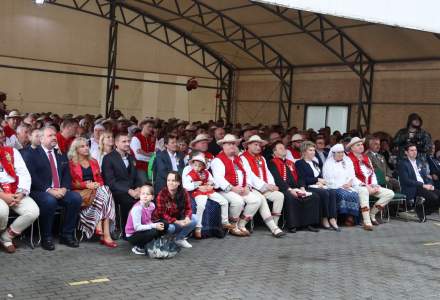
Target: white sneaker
[
  {"x": 137, "y": 250},
  {"x": 183, "y": 244}
]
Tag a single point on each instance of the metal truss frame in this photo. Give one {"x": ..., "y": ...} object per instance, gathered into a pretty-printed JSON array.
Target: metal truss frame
[
  {"x": 322, "y": 30},
  {"x": 231, "y": 31},
  {"x": 165, "y": 33}
]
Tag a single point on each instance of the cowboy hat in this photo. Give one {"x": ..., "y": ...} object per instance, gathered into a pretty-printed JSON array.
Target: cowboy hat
[
  {"x": 198, "y": 157},
  {"x": 229, "y": 138},
  {"x": 14, "y": 114},
  {"x": 297, "y": 137},
  {"x": 199, "y": 138},
  {"x": 190, "y": 127},
  {"x": 253, "y": 139},
  {"x": 354, "y": 141}
]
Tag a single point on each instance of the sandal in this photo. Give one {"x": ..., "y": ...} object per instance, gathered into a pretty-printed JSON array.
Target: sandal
[
  {"x": 236, "y": 232},
  {"x": 8, "y": 246},
  {"x": 245, "y": 231},
  {"x": 229, "y": 226}
]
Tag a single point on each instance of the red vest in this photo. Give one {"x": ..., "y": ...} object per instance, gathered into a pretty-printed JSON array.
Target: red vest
[
  {"x": 7, "y": 161},
  {"x": 9, "y": 131},
  {"x": 231, "y": 168},
  {"x": 256, "y": 162},
  {"x": 295, "y": 153},
  {"x": 63, "y": 143},
  {"x": 283, "y": 165},
  {"x": 203, "y": 176},
  {"x": 148, "y": 145},
  {"x": 357, "y": 167}
]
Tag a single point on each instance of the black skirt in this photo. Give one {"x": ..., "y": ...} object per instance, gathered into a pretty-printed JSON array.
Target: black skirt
[{"x": 301, "y": 212}]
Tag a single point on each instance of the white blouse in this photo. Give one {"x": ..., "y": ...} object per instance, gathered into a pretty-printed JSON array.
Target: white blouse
[{"x": 338, "y": 173}]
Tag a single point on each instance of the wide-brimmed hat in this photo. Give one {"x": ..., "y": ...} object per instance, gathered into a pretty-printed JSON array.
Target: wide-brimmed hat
[
  {"x": 190, "y": 127},
  {"x": 229, "y": 138},
  {"x": 14, "y": 114},
  {"x": 199, "y": 138},
  {"x": 199, "y": 157},
  {"x": 354, "y": 141},
  {"x": 253, "y": 139},
  {"x": 297, "y": 137}
]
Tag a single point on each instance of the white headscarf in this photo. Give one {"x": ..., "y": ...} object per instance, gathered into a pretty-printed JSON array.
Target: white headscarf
[
  {"x": 332, "y": 168},
  {"x": 331, "y": 155}
]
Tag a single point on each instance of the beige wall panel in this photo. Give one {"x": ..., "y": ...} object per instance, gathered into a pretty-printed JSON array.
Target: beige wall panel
[
  {"x": 390, "y": 118},
  {"x": 51, "y": 33}
]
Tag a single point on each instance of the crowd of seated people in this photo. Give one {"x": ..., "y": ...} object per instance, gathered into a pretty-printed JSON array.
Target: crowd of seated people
[{"x": 156, "y": 177}]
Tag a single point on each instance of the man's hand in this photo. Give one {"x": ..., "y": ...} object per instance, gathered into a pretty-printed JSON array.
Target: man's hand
[
  {"x": 57, "y": 193},
  {"x": 373, "y": 189},
  {"x": 237, "y": 189},
  {"x": 428, "y": 187},
  {"x": 294, "y": 193},
  {"x": 272, "y": 188},
  {"x": 9, "y": 199}
]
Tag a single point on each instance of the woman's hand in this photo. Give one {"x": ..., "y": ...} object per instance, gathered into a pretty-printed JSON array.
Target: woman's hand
[
  {"x": 322, "y": 181},
  {"x": 160, "y": 226},
  {"x": 92, "y": 185}
]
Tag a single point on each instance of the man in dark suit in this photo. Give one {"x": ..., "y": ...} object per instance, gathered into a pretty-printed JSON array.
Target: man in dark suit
[
  {"x": 119, "y": 172},
  {"x": 51, "y": 184},
  {"x": 166, "y": 161},
  {"x": 321, "y": 152},
  {"x": 414, "y": 182}
]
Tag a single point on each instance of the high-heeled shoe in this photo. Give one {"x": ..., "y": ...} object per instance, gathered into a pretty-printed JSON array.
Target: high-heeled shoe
[
  {"x": 111, "y": 244},
  {"x": 335, "y": 228}
]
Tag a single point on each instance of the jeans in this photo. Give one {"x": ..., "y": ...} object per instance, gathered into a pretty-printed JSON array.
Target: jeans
[{"x": 182, "y": 232}]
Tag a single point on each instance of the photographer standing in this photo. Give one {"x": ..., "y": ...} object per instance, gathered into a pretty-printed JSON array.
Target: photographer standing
[{"x": 413, "y": 134}]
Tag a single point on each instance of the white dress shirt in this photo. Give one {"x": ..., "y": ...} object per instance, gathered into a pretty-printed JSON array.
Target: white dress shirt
[
  {"x": 416, "y": 170},
  {"x": 312, "y": 165},
  {"x": 218, "y": 172},
  {"x": 173, "y": 157},
  {"x": 135, "y": 145},
  {"x": 24, "y": 182},
  {"x": 255, "y": 181}
]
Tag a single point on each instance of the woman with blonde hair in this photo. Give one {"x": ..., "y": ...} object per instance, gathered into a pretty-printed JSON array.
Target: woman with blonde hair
[
  {"x": 309, "y": 171},
  {"x": 98, "y": 208},
  {"x": 106, "y": 145}
]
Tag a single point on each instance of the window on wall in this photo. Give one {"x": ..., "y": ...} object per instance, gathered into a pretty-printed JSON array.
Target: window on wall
[{"x": 334, "y": 116}]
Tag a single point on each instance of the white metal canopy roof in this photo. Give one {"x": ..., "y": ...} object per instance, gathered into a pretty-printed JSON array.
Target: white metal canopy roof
[{"x": 420, "y": 15}]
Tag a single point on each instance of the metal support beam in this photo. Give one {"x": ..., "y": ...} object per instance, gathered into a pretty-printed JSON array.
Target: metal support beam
[
  {"x": 111, "y": 61},
  {"x": 231, "y": 31},
  {"x": 365, "y": 99},
  {"x": 330, "y": 36},
  {"x": 157, "y": 29}
]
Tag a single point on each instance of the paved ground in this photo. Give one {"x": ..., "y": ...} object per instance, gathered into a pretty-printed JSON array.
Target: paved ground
[{"x": 399, "y": 260}]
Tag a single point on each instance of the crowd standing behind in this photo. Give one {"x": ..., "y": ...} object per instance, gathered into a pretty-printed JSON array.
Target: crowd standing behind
[{"x": 155, "y": 177}]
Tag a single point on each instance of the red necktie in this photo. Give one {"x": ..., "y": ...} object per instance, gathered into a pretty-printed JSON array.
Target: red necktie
[{"x": 53, "y": 168}]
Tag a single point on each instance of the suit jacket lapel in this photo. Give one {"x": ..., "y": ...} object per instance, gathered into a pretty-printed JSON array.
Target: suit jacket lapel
[
  {"x": 168, "y": 158},
  {"x": 411, "y": 169},
  {"x": 121, "y": 162}
]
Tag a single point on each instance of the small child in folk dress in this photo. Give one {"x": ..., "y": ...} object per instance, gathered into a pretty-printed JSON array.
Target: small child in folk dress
[{"x": 199, "y": 182}]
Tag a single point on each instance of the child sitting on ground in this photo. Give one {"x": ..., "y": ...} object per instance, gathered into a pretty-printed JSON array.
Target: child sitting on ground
[
  {"x": 199, "y": 182},
  {"x": 140, "y": 230}
]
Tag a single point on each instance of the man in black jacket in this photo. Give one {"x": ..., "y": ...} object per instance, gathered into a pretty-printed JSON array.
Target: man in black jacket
[
  {"x": 415, "y": 183},
  {"x": 166, "y": 161},
  {"x": 119, "y": 172}
]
